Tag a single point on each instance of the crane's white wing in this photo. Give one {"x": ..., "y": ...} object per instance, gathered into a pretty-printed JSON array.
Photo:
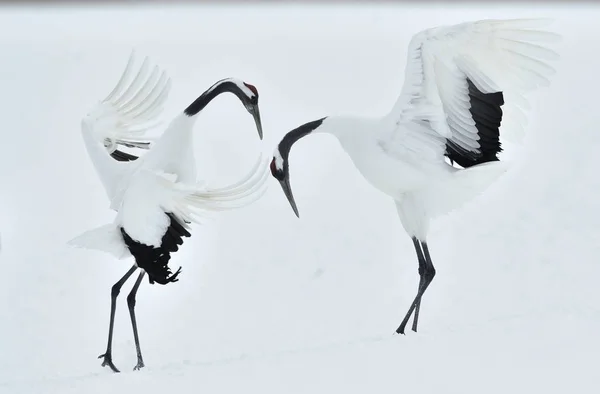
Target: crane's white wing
[
  {"x": 131, "y": 109},
  {"x": 122, "y": 118},
  {"x": 458, "y": 77},
  {"x": 150, "y": 196}
]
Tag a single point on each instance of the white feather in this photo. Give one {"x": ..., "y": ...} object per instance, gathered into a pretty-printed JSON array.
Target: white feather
[
  {"x": 403, "y": 153},
  {"x": 122, "y": 118},
  {"x": 507, "y": 56},
  {"x": 132, "y": 107},
  {"x": 164, "y": 179},
  {"x": 150, "y": 194},
  {"x": 106, "y": 238}
]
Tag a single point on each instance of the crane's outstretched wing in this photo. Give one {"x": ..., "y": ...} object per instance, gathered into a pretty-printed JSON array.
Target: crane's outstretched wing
[
  {"x": 155, "y": 212},
  {"x": 463, "y": 81},
  {"x": 131, "y": 109},
  {"x": 151, "y": 195},
  {"x": 121, "y": 119}
]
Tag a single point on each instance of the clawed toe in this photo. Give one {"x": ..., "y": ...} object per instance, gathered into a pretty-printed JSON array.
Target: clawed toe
[{"x": 108, "y": 362}]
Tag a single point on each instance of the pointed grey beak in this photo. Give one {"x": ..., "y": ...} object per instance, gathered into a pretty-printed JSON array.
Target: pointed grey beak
[
  {"x": 287, "y": 189},
  {"x": 256, "y": 115}
]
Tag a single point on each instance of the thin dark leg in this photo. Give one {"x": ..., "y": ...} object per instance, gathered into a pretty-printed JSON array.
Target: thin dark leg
[
  {"x": 116, "y": 289},
  {"x": 422, "y": 264},
  {"x": 131, "y": 305},
  {"x": 426, "y": 278}
]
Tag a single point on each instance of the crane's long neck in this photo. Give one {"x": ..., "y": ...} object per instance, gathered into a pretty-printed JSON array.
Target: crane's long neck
[
  {"x": 342, "y": 127},
  {"x": 222, "y": 86},
  {"x": 285, "y": 145},
  {"x": 345, "y": 128},
  {"x": 172, "y": 152}
]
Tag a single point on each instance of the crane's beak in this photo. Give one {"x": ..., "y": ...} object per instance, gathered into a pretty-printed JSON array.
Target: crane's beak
[
  {"x": 287, "y": 189},
  {"x": 256, "y": 115}
]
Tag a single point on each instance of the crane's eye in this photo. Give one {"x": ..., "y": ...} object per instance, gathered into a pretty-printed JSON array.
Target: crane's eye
[
  {"x": 277, "y": 172},
  {"x": 252, "y": 89}
]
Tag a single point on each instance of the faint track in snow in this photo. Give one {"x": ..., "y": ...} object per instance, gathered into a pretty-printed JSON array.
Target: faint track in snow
[
  {"x": 449, "y": 331},
  {"x": 257, "y": 356},
  {"x": 334, "y": 345}
]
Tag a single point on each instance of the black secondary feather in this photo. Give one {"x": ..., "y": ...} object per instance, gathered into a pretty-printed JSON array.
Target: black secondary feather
[{"x": 486, "y": 111}]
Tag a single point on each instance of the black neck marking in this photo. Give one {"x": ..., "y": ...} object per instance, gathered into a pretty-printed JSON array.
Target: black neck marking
[
  {"x": 219, "y": 87},
  {"x": 486, "y": 111},
  {"x": 155, "y": 260},
  {"x": 292, "y": 136}
]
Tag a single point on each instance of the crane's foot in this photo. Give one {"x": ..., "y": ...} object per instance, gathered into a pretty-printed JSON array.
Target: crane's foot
[
  {"x": 139, "y": 365},
  {"x": 108, "y": 361},
  {"x": 401, "y": 329}
]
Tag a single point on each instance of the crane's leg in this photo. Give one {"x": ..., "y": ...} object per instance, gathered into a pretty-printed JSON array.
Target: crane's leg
[
  {"x": 116, "y": 289},
  {"x": 422, "y": 264},
  {"x": 131, "y": 305},
  {"x": 427, "y": 273}
]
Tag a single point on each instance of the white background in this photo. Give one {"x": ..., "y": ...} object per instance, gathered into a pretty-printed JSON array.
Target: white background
[{"x": 266, "y": 302}]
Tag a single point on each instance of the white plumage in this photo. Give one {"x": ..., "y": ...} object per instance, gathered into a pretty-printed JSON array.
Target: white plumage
[
  {"x": 464, "y": 86},
  {"x": 157, "y": 195},
  {"x": 497, "y": 56},
  {"x": 163, "y": 179}
]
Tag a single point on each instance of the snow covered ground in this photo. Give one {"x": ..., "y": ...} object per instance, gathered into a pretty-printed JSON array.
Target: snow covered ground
[{"x": 268, "y": 303}]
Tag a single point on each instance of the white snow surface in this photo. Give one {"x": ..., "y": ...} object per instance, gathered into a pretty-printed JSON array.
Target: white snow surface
[{"x": 268, "y": 303}]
